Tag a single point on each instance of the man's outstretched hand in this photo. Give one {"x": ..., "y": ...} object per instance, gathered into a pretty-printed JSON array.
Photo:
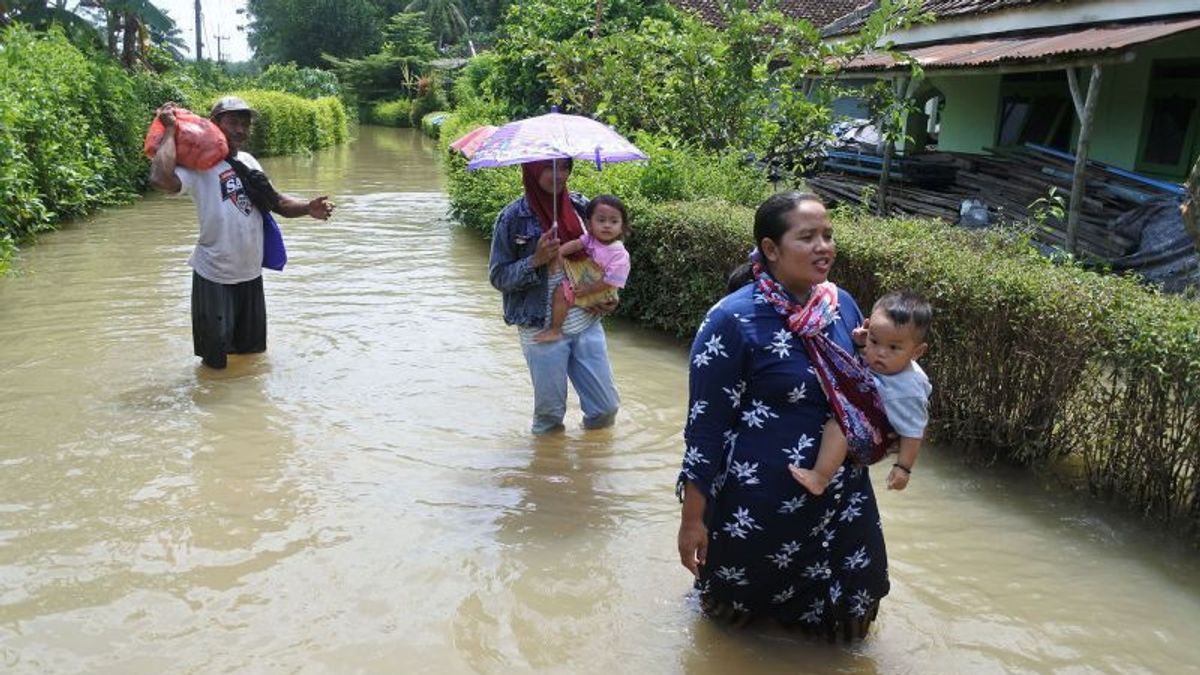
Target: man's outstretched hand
[{"x": 320, "y": 208}]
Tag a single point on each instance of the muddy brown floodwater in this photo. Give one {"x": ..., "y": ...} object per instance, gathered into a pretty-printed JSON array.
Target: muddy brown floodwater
[{"x": 365, "y": 498}]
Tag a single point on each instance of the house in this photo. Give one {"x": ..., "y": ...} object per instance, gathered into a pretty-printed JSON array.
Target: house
[
  {"x": 999, "y": 73},
  {"x": 818, "y": 12}
]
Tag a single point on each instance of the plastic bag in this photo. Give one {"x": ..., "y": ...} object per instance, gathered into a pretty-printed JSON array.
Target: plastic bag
[
  {"x": 274, "y": 252},
  {"x": 199, "y": 144},
  {"x": 973, "y": 213}
]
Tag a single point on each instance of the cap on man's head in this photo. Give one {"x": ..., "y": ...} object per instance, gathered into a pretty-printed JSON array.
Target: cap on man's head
[{"x": 230, "y": 104}]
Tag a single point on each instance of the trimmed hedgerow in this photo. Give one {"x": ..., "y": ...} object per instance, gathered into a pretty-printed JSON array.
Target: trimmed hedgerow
[
  {"x": 288, "y": 124},
  {"x": 1033, "y": 362}
]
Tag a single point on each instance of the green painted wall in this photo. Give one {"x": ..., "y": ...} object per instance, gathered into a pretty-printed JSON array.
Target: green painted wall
[
  {"x": 973, "y": 104},
  {"x": 971, "y": 113},
  {"x": 1122, "y": 108}
]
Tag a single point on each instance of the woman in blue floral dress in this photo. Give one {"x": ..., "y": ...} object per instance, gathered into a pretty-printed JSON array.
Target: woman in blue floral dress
[{"x": 759, "y": 543}]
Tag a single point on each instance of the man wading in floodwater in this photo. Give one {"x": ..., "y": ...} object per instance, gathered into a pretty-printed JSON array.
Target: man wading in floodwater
[{"x": 229, "y": 312}]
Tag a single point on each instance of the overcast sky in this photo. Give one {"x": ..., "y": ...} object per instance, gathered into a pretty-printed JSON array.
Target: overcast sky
[{"x": 219, "y": 16}]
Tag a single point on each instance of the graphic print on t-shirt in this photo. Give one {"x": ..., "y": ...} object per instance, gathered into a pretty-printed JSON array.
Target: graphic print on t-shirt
[{"x": 231, "y": 189}]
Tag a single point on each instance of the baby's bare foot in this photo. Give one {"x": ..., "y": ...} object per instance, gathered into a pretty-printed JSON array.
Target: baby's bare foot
[
  {"x": 811, "y": 480},
  {"x": 548, "y": 335}
]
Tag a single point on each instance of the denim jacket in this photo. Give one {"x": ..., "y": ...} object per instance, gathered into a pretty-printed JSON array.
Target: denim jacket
[{"x": 514, "y": 240}]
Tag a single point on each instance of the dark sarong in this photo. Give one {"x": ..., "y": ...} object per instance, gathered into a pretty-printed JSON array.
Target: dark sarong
[{"x": 227, "y": 319}]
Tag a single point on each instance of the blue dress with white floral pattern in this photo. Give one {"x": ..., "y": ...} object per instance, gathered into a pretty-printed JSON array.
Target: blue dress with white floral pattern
[{"x": 756, "y": 406}]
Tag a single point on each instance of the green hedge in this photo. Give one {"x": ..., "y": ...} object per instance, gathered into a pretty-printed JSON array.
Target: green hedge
[
  {"x": 392, "y": 113},
  {"x": 70, "y": 133},
  {"x": 1032, "y": 362},
  {"x": 431, "y": 123},
  {"x": 288, "y": 124}
]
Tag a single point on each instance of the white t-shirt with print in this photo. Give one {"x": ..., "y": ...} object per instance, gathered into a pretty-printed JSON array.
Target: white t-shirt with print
[{"x": 229, "y": 249}]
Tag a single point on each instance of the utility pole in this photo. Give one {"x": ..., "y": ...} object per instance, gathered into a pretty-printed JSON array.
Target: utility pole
[
  {"x": 199, "y": 33},
  {"x": 219, "y": 38}
]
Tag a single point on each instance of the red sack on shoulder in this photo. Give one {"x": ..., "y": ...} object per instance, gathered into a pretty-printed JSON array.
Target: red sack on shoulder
[{"x": 199, "y": 144}]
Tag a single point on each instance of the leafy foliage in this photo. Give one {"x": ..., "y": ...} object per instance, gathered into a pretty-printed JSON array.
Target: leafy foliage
[
  {"x": 288, "y": 124},
  {"x": 304, "y": 82},
  {"x": 397, "y": 68},
  {"x": 302, "y": 31},
  {"x": 473, "y": 94},
  {"x": 397, "y": 113},
  {"x": 530, "y": 31},
  {"x": 749, "y": 85},
  {"x": 445, "y": 17},
  {"x": 133, "y": 30},
  {"x": 60, "y": 116}
]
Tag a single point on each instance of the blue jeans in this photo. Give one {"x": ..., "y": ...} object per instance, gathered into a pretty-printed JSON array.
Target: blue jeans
[{"x": 582, "y": 358}]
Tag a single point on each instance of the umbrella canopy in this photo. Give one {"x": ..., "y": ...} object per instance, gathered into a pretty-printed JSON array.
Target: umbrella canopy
[
  {"x": 553, "y": 136},
  {"x": 470, "y": 141}
]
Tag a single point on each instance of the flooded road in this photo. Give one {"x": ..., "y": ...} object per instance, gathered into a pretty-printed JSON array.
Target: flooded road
[{"x": 364, "y": 497}]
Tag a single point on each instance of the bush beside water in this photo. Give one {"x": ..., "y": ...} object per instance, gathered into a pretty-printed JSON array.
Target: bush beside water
[
  {"x": 70, "y": 134},
  {"x": 1035, "y": 363},
  {"x": 392, "y": 113},
  {"x": 287, "y": 124}
]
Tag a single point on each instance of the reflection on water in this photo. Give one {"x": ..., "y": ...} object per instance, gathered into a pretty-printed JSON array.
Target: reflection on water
[{"x": 363, "y": 497}]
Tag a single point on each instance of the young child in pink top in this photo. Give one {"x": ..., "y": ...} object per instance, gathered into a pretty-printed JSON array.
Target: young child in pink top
[{"x": 597, "y": 278}]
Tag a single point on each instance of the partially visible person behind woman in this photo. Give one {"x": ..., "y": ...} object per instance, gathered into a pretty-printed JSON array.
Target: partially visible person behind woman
[
  {"x": 525, "y": 243},
  {"x": 764, "y": 360}
]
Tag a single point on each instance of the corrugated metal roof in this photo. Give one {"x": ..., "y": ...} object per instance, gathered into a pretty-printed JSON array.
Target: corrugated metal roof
[
  {"x": 1016, "y": 49},
  {"x": 819, "y": 12},
  {"x": 940, "y": 9}
]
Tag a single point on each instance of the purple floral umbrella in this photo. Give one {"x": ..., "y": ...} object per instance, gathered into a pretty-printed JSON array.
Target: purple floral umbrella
[{"x": 554, "y": 136}]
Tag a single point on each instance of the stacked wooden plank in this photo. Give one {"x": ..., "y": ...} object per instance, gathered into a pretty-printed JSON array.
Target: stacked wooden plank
[{"x": 1011, "y": 182}]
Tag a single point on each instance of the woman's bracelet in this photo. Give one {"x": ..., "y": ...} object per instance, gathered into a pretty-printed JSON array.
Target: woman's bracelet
[{"x": 903, "y": 468}]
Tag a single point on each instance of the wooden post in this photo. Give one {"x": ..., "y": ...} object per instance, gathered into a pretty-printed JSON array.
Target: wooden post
[
  {"x": 1086, "y": 110},
  {"x": 905, "y": 87}
]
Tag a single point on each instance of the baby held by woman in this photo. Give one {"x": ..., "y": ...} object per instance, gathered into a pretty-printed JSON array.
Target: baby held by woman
[
  {"x": 593, "y": 278},
  {"x": 891, "y": 340}
]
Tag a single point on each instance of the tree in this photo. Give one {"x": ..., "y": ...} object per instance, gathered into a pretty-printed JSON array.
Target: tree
[
  {"x": 445, "y": 18},
  {"x": 134, "y": 24},
  {"x": 301, "y": 31},
  {"x": 396, "y": 68}
]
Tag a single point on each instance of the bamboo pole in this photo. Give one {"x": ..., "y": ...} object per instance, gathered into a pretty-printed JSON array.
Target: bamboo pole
[{"x": 1086, "y": 110}]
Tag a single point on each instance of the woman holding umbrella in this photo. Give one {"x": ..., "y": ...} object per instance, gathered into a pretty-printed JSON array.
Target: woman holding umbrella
[{"x": 525, "y": 242}]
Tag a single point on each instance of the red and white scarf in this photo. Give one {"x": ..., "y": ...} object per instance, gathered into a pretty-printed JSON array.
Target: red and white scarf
[{"x": 846, "y": 382}]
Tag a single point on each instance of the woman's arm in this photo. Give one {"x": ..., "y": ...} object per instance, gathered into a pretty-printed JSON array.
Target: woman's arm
[
  {"x": 693, "y": 535},
  {"x": 716, "y": 382},
  {"x": 508, "y": 270}
]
